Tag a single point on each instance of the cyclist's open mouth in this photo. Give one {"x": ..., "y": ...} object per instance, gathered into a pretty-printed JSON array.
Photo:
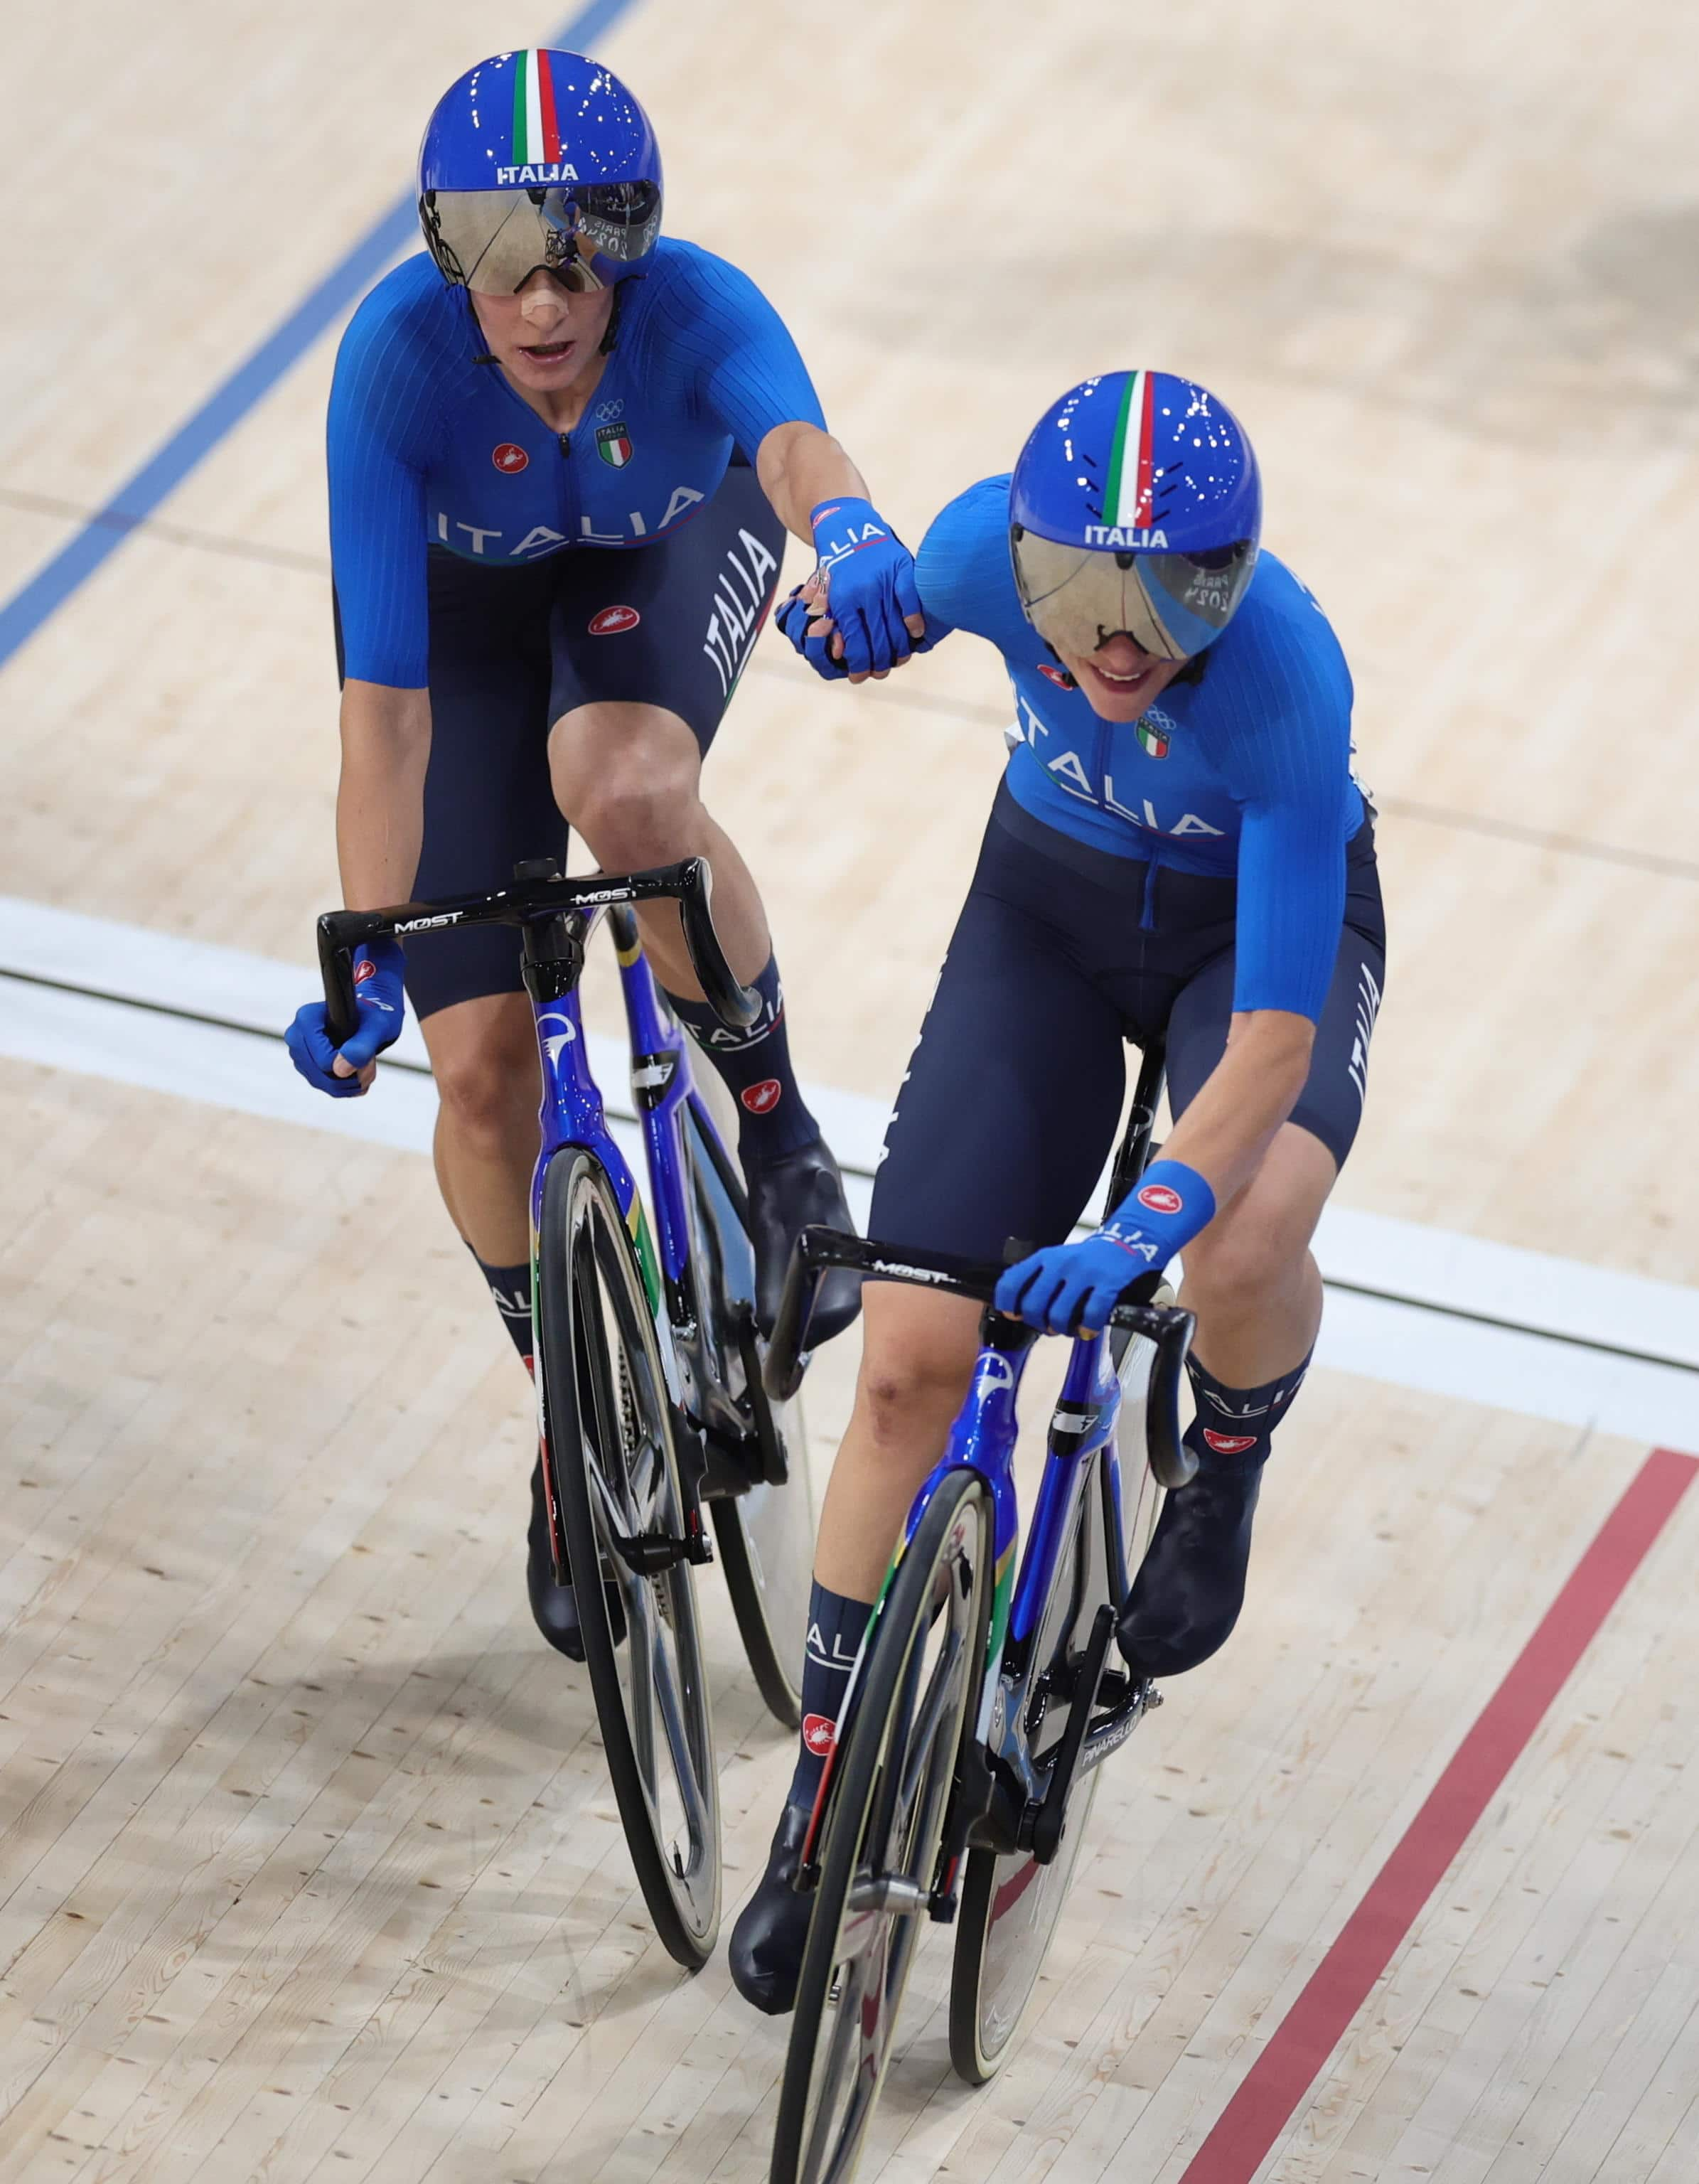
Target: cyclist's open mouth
[
  {"x": 1124, "y": 685},
  {"x": 548, "y": 352}
]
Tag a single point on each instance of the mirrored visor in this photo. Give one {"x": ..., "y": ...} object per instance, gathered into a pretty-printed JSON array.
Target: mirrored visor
[
  {"x": 494, "y": 240},
  {"x": 1171, "y": 605}
]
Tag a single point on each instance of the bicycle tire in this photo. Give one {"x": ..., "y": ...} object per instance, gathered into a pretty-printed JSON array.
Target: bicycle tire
[
  {"x": 1010, "y": 1904},
  {"x": 872, "y": 1821},
  {"x": 605, "y": 1401}
]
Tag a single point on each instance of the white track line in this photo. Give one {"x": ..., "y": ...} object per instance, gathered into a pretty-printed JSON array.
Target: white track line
[{"x": 1409, "y": 1335}]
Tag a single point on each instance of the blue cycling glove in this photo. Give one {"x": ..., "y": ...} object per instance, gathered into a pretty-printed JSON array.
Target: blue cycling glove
[
  {"x": 793, "y": 620},
  {"x": 1071, "y": 1286},
  {"x": 869, "y": 577},
  {"x": 381, "y": 1001}
]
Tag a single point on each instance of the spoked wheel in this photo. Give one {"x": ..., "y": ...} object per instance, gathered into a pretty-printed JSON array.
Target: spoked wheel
[
  {"x": 610, "y": 1433},
  {"x": 1010, "y": 1904},
  {"x": 917, "y": 1690},
  {"x": 764, "y": 1536}
]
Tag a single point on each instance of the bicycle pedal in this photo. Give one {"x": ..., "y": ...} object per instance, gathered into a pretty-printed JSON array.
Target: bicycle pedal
[
  {"x": 652, "y": 1554},
  {"x": 889, "y": 1891}
]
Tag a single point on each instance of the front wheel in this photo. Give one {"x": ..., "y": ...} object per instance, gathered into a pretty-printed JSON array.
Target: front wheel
[
  {"x": 918, "y": 1684},
  {"x": 609, "y": 1434}
]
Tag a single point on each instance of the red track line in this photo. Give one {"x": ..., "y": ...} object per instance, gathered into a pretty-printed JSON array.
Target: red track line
[{"x": 1299, "y": 2047}]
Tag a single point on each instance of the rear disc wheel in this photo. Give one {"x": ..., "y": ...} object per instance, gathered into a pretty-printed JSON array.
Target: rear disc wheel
[{"x": 765, "y": 1535}]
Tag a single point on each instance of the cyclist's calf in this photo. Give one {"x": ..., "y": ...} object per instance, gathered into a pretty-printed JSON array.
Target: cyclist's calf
[{"x": 1250, "y": 1277}]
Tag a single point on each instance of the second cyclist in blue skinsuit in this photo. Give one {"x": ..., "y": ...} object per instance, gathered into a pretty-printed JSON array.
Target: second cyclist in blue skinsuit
[
  {"x": 563, "y": 453},
  {"x": 1178, "y": 850}
]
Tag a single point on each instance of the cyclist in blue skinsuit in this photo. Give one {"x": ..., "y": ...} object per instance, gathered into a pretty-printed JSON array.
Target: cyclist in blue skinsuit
[
  {"x": 564, "y": 452},
  {"x": 1178, "y": 849}
]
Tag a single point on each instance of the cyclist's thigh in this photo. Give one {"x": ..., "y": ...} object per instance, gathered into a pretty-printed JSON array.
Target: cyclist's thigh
[
  {"x": 1330, "y": 1105},
  {"x": 669, "y": 624},
  {"x": 1009, "y": 1108},
  {"x": 488, "y": 800}
]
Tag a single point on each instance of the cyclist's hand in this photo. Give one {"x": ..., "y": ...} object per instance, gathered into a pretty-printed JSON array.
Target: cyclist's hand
[
  {"x": 870, "y": 578},
  {"x": 1070, "y": 1286},
  {"x": 803, "y": 619},
  {"x": 345, "y": 1072}
]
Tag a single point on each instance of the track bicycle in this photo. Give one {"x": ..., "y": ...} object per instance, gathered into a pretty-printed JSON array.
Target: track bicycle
[
  {"x": 981, "y": 1703},
  {"x": 650, "y": 1399}
]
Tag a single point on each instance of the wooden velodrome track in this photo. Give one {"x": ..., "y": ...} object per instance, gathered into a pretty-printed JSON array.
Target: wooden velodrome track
[{"x": 309, "y": 1866}]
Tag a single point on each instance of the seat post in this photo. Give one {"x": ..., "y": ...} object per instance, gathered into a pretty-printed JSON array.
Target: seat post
[{"x": 1135, "y": 1140}]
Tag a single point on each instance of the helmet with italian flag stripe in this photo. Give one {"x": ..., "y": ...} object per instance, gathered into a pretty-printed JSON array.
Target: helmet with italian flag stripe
[
  {"x": 1135, "y": 508},
  {"x": 539, "y": 158}
]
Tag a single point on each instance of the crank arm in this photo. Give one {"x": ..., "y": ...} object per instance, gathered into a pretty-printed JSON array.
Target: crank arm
[{"x": 1049, "y": 1820}]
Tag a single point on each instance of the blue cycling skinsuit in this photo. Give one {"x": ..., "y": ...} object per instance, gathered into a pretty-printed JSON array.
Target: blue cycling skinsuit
[
  {"x": 1151, "y": 878},
  {"x": 517, "y": 572}
]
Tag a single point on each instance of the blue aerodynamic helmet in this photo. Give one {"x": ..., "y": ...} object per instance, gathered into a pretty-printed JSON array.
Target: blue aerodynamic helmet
[
  {"x": 1136, "y": 507},
  {"x": 538, "y": 157}
]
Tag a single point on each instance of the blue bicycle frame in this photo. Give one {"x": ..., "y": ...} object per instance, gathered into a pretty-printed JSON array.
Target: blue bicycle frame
[
  {"x": 983, "y": 1439},
  {"x": 1081, "y": 1446},
  {"x": 556, "y": 916}
]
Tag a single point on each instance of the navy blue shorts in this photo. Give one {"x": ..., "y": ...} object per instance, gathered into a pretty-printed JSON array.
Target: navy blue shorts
[
  {"x": 668, "y": 624},
  {"x": 1013, "y": 1092}
]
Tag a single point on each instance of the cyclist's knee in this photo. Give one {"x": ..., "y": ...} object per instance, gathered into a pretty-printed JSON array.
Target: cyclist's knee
[
  {"x": 915, "y": 1364},
  {"x": 1236, "y": 1265},
  {"x": 486, "y": 1076},
  {"x": 634, "y": 792}
]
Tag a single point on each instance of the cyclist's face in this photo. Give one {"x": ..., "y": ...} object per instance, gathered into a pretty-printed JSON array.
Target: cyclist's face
[
  {"x": 1121, "y": 680},
  {"x": 544, "y": 337}
]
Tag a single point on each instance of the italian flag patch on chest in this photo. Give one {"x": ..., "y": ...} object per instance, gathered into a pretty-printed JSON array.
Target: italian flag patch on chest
[
  {"x": 1153, "y": 742},
  {"x": 614, "y": 445}
]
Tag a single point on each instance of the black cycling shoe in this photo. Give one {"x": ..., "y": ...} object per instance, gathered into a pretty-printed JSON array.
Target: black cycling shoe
[
  {"x": 1190, "y": 1586},
  {"x": 766, "y": 1951},
  {"x": 553, "y": 1606},
  {"x": 786, "y": 1196}
]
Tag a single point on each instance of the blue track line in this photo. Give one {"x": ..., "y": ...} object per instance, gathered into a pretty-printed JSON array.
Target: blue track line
[{"x": 139, "y": 496}]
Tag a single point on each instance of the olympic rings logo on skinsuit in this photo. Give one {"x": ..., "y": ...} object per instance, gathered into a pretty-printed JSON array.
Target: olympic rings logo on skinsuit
[
  {"x": 612, "y": 620},
  {"x": 1159, "y": 1198},
  {"x": 509, "y": 457}
]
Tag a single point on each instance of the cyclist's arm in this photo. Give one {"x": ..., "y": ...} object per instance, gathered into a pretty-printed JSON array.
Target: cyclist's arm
[
  {"x": 1242, "y": 1103},
  {"x": 385, "y": 736},
  {"x": 377, "y": 482},
  {"x": 1291, "y": 899},
  {"x": 799, "y": 465},
  {"x": 748, "y": 375}
]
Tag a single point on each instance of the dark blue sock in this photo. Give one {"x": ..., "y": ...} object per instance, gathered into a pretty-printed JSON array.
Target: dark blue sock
[
  {"x": 511, "y": 1291},
  {"x": 755, "y": 1064},
  {"x": 836, "y": 1627},
  {"x": 1233, "y": 1427}
]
